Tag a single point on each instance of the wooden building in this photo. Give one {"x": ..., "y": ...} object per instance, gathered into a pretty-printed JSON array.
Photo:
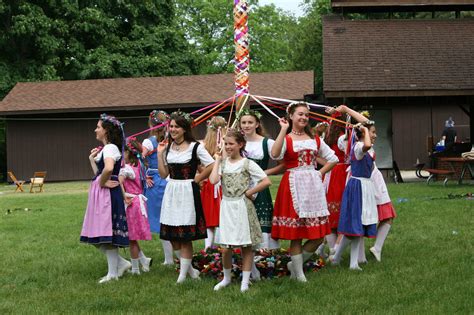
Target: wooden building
[
  {"x": 413, "y": 74},
  {"x": 50, "y": 125}
]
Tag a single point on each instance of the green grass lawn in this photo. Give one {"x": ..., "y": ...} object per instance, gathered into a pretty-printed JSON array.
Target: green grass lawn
[{"x": 427, "y": 264}]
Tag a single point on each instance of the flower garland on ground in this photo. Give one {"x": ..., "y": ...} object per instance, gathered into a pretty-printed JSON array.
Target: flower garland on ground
[{"x": 271, "y": 264}]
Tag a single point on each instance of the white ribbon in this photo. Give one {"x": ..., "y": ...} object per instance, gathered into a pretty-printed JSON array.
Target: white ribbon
[
  {"x": 142, "y": 200},
  {"x": 265, "y": 107},
  {"x": 290, "y": 101}
]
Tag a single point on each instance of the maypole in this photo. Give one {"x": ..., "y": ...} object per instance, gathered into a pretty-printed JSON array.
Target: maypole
[{"x": 242, "y": 55}]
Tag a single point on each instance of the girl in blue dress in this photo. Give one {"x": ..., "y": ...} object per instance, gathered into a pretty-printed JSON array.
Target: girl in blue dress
[
  {"x": 155, "y": 185},
  {"x": 359, "y": 215}
]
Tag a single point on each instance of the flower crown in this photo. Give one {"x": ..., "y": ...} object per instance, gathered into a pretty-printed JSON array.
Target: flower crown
[
  {"x": 213, "y": 126},
  {"x": 154, "y": 116},
  {"x": 296, "y": 104},
  {"x": 186, "y": 116},
  {"x": 248, "y": 112},
  {"x": 322, "y": 123},
  {"x": 365, "y": 113},
  {"x": 111, "y": 119},
  {"x": 132, "y": 147}
]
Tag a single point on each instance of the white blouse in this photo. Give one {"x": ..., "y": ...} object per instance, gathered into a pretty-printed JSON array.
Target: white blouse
[
  {"x": 110, "y": 150},
  {"x": 359, "y": 153},
  {"x": 324, "y": 151},
  {"x": 254, "y": 149},
  {"x": 185, "y": 156},
  {"x": 256, "y": 172},
  {"x": 147, "y": 144},
  {"x": 127, "y": 172}
]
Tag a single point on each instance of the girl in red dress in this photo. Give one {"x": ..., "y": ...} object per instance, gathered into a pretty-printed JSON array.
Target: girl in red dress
[{"x": 301, "y": 210}]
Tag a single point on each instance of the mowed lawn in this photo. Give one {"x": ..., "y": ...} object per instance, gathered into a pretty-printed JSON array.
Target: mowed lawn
[{"x": 427, "y": 264}]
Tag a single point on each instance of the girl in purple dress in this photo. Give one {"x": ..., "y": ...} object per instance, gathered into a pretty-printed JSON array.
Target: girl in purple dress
[{"x": 105, "y": 222}]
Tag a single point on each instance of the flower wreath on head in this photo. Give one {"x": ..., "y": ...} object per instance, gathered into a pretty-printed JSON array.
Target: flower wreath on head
[
  {"x": 248, "y": 112},
  {"x": 132, "y": 148},
  {"x": 186, "y": 116},
  {"x": 296, "y": 104},
  {"x": 322, "y": 123},
  {"x": 111, "y": 119},
  {"x": 154, "y": 116},
  {"x": 212, "y": 126}
]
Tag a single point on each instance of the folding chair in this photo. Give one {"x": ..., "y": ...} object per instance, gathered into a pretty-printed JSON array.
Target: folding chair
[
  {"x": 37, "y": 181},
  {"x": 18, "y": 183}
]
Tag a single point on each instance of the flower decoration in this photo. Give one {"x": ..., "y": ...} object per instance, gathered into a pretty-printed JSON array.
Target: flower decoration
[
  {"x": 212, "y": 125},
  {"x": 271, "y": 264},
  {"x": 247, "y": 111},
  {"x": 296, "y": 104},
  {"x": 155, "y": 117},
  {"x": 186, "y": 116},
  {"x": 365, "y": 113},
  {"x": 134, "y": 146},
  {"x": 111, "y": 119}
]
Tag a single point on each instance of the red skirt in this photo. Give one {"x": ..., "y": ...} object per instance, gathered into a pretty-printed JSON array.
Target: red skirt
[
  {"x": 211, "y": 206},
  {"x": 337, "y": 183},
  {"x": 286, "y": 223},
  {"x": 386, "y": 211}
]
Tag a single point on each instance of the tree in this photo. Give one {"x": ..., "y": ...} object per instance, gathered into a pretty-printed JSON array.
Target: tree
[{"x": 55, "y": 40}]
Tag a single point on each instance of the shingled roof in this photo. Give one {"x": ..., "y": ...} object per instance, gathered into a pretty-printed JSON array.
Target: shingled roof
[
  {"x": 116, "y": 94},
  {"x": 398, "y": 57}
]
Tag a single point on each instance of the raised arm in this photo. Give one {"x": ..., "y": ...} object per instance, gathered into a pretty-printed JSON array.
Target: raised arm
[{"x": 278, "y": 145}]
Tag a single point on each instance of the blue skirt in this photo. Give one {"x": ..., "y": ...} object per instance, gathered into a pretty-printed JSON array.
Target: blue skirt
[
  {"x": 350, "y": 220},
  {"x": 155, "y": 197}
]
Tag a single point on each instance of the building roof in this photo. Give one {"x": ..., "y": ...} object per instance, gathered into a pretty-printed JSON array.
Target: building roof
[
  {"x": 143, "y": 93},
  {"x": 398, "y": 57},
  {"x": 400, "y": 5}
]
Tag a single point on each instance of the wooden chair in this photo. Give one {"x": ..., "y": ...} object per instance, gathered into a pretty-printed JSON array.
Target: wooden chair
[
  {"x": 18, "y": 183},
  {"x": 37, "y": 181}
]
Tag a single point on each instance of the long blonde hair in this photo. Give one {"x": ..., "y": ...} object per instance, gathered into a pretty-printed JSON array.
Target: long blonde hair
[
  {"x": 158, "y": 117},
  {"x": 210, "y": 140}
]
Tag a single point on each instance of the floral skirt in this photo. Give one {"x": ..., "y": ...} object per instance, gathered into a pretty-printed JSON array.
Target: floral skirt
[{"x": 288, "y": 225}]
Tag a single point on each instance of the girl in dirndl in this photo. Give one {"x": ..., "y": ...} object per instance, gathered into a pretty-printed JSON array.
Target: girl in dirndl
[
  {"x": 211, "y": 195},
  {"x": 132, "y": 178},
  {"x": 182, "y": 218},
  {"x": 238, "y": 224},
  {"x": 335, "y": 180},
  {"x": 359, "y": 215},
  {"x": 155, "y": 185},
  {"x": 300, "y": 208},
  {"x": 105, "y": 221},
  {"x": 258, "y": 148},
  {"x": 385, "y": 209}
]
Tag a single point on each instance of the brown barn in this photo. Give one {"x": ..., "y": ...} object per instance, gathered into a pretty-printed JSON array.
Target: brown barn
[
  {"x": 412, "y": 73},
  {"x": 50, "y": 125}
]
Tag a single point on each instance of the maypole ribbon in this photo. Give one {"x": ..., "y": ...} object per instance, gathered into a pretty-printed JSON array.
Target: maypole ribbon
[{"x": 241, "y": 41}]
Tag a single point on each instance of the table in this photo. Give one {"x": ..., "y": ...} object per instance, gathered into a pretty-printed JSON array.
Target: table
[{"x": 467, "y": 164}]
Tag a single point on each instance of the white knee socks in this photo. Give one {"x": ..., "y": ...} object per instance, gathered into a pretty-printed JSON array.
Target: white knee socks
[
  {"x": 209, "y": 241},
  {"x": 168, "y": 252},
  {"x": 136, "y": 266},
  {"x": 361, "y": 257},
  {"x": 336, "y": 259},
  {"x": 145, "y": 261},
  {"x": 185, "y": 264},
  {"x": 245, "y": 281},
  {"x": 112, "y": 262},
  {"x": 382, "y": 233},
  {"x": 355, "y": 242},
  {"x": 226, "y": 281},
  {"x": 331, "y": 239},
  {"x": 297, "y": 267}
]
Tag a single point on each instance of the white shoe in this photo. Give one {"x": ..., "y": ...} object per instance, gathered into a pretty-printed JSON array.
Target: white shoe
[
  {"x": 221, "y": 285},
  {"x": 333, "y": 261},
  {"x": 107, "y": 278},
  {"x": 194, "y": 273},
  {"x": 357, "y": 268},
  {"x": 290, "y": 268},
  {"x": 146, "y": 266},
  {"x": 301, "y": 278},
  {"x": 135, "y": 272},
  {"x": 376, "y": 253},
  {"x": 362, "y": 261},
  {"x": 124, "y": 265},
  {"x": 332, "y": 251},
  {"x": 244, "y": 287}
]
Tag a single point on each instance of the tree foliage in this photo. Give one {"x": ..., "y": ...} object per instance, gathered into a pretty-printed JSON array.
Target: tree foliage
[{"x": 56, "y": 40}]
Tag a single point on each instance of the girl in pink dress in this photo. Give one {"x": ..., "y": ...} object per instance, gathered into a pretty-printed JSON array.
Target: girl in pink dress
[{"x": 131, "y": 178}]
